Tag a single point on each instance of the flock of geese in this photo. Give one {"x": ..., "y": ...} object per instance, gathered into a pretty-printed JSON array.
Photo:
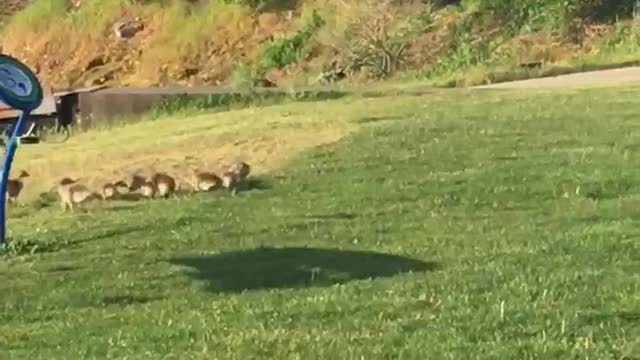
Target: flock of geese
[{"x": 73, "y": 194}]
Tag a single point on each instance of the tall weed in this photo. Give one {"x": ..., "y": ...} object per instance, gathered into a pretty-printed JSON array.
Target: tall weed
[
  {"x": 283, "y": 51},
  {"x": 39, "y": 15}
]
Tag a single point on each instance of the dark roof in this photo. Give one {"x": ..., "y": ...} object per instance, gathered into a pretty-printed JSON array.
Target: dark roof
[
  {"x": 79, "y": 90},
  {"x": 47, "y": 107},
  {"x": 168, "y": 90}
]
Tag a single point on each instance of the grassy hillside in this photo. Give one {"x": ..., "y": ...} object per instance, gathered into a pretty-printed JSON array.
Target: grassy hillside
[
  {"x": 9, "y": 8},
  {"x": 72, "y": 43},
  {"x": 451, "y": 226}
]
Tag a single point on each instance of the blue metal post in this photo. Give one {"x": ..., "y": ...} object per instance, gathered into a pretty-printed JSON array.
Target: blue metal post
[{"x": 11, "y": 146}]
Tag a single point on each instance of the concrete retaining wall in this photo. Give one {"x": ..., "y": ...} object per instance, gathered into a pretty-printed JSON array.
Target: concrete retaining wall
[{"x": 106, "y": 107}]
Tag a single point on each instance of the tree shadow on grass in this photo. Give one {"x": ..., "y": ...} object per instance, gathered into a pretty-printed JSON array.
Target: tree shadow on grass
[
  {"x": 107, "y": 234},
  {"x": 279, "y": 268},
  {"x": 125, "y": 300},
  {"x": 623, "y": 316},
  {"x": 373, "y": 119},
  {"x": 257, "y": 183}
]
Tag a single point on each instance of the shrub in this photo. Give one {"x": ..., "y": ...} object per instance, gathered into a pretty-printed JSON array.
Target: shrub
[
  {"x": 244, "y": 75},
  {"x": 288, "y": 50},
  {"x": 468, "y": 48},
  {"x": 39, "y": 15},
  {"x": 378, "y": 38}
]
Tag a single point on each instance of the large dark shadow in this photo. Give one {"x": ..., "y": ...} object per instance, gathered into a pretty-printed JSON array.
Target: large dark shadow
[
  {"x": 623, "y": 316},
  {"x": 335, "y": 216},
  {"x": 130, "y": 197},
  {"x": 372, "y": 119},
  {"x": 126, "y": 300},
  {"x": 257, "y": 183},
  {"x": 108, "y": 234},
  {"x": 63, "y": 268},
  {"x": 273, "y": 268}
]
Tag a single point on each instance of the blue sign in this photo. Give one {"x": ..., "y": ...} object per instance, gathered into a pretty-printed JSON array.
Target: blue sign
[{"x": 20, "y": 89}]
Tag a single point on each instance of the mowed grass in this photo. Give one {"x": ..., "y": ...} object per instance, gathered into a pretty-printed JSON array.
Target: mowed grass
[{"x": 460, "y": 225}]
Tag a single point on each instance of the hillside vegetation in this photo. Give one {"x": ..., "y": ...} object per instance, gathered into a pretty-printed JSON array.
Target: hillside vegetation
[
  {"x": 460, "y": 225},
  {"x": 8, "y": 8},
  {"x": 290, "y": 42}
]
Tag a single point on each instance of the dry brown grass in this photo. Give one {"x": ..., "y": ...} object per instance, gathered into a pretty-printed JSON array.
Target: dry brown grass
[
  {"x": 175, "y": 145},
  {"x": 268, "y": 138}
]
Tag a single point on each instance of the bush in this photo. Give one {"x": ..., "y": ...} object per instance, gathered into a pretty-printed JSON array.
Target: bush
[
  {"x": 606, "y": 10},
  {"x": 284, "y": 51},
  {"x": 554, "y": 15},
  {"x": 244, "y": 75},
  {"x": 377, "y": 39},
  {"x": 468, "y": 48},
  {"x": 526, "y": 15},
  {"x": 40, "y": 15}
]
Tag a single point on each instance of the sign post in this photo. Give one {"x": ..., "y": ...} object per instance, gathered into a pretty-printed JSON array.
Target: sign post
[{"x": 20, "y": 89}]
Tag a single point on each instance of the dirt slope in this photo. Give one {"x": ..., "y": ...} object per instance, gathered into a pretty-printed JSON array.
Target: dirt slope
[{"x": 78, "y": 43}]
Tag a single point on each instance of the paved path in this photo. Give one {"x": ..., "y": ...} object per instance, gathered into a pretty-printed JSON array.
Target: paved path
[{"x": 623, "y": 76}]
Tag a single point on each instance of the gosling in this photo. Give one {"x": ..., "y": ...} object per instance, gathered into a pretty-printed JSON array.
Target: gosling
[
  {"x": 159, "y": 183},
  {"x": 73, "y": 194},
  {"x": 230, "y": 181},
  {"x": 110, "y": 190},
  {"x": 144, "y": 184},
  {"x": 205, "y": 181},
  {"x": 164, "y": 184},
  {"x": 241, "y": 169},
  {"x": 15, "y": 186}
]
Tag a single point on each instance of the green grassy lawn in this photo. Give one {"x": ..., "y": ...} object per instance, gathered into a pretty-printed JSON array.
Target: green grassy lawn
[{"x": 458, "y": 225}]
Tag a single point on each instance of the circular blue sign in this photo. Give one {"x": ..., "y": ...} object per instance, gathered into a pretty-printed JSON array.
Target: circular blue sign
[{"x": 19, "y": 86}]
